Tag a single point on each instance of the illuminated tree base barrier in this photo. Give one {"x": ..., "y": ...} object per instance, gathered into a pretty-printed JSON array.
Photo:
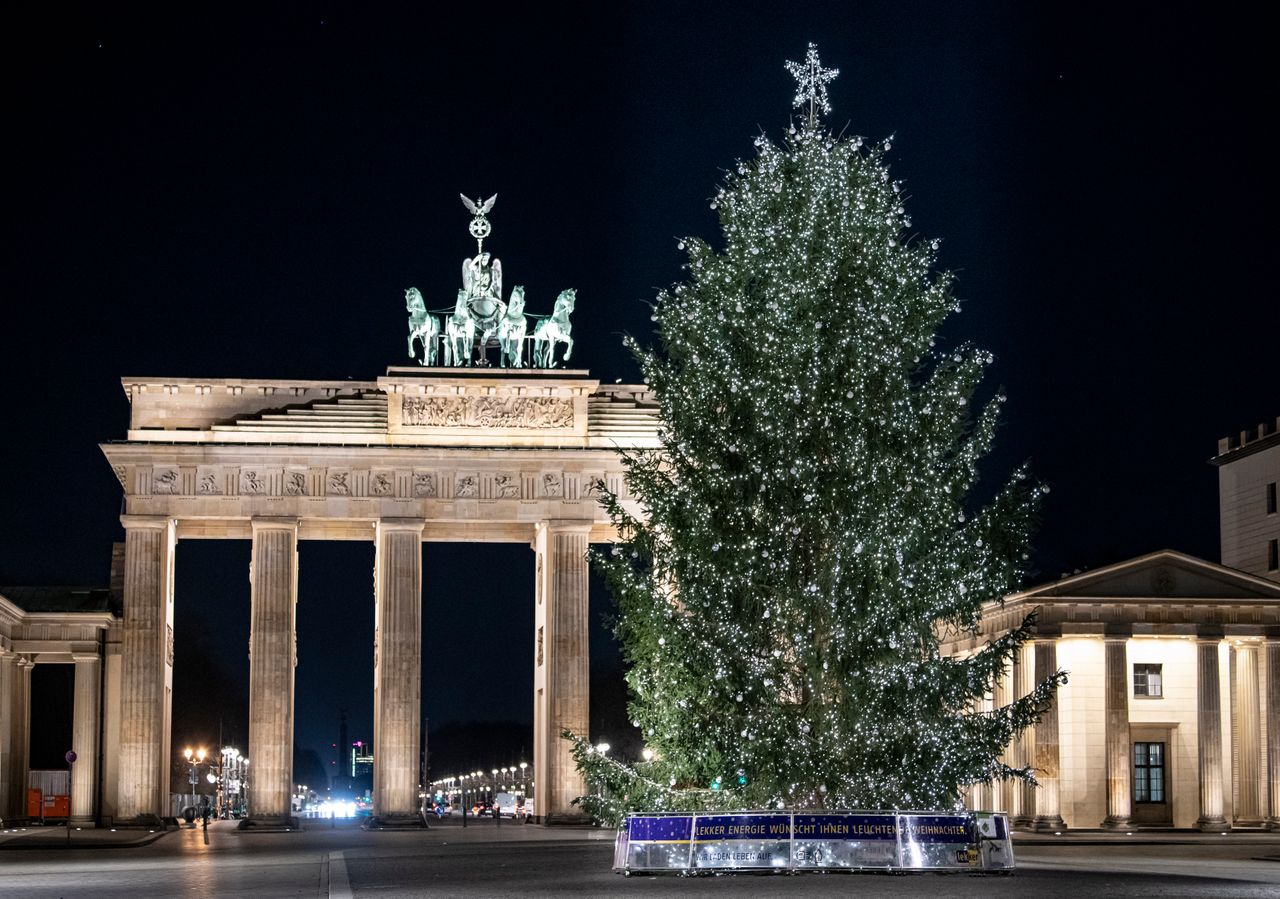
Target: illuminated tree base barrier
[{"x": 814, "y": 841}]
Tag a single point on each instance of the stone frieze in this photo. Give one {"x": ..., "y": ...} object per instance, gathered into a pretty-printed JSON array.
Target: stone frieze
[{"x": 518, "y": 412}]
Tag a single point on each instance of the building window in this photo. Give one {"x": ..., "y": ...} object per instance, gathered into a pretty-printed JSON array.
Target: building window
[
  {"x": 1148, "y": 772},
  {"x": 1148, "y": 681},
  {"x": 1273, "y": 555},
  {"x": 1271, "y": 498}
]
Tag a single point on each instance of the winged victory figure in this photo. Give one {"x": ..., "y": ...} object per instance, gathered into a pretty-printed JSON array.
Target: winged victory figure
[{"x": 476, "y": 206}]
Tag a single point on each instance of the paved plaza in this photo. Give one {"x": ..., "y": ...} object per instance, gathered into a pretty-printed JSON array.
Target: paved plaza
[{"x": 514, "y": 860}]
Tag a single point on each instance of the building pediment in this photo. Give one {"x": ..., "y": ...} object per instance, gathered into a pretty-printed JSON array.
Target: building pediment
[{"x": 1160, "y": 576}]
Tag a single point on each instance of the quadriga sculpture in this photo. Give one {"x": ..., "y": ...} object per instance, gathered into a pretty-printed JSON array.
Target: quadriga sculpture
[
  {"x": 511, "y": 331},
  {"x": 423, "y": 326},
  {"x": 553, "y": 330}
]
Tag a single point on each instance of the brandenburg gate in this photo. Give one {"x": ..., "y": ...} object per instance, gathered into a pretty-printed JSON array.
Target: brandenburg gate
[{"x": 422, "y": 454}]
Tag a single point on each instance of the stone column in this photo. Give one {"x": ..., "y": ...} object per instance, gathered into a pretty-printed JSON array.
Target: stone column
[
  {"x": 85, "y": 724},
  {"x": 272, "y": 657},
  {"x": 1023, "y": 809},
  {"x": 13, "y": 721},
  {"x": 564, "y": 702},
  {"x": 1002, "y": 790},
  {"x": 147, "y": 669},
  {"x": 984, "y": 793},
  {"x": 7, "y": 674},
  {"x": 1115, "y": 686},
  {"x": 1248, "y": 811},
  {"x": 1209, "y": 726},
  {"x": 22, "y": 730},
  {"x": 1046, "y": 761},
  {"x": 397, "y": 672},
  {"x": 1273, "y": 733}
]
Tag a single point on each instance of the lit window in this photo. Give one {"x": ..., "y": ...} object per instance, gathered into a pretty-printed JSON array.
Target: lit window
[
  {"x": 1147, "y": 680},
  {"x": 1148, "y": 772}
]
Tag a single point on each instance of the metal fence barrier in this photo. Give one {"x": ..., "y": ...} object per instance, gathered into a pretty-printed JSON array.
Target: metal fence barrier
[{"x": 782, "y": 841}]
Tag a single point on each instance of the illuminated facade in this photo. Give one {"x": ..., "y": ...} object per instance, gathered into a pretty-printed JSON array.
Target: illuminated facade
[{"x": 1171, "y": 716}]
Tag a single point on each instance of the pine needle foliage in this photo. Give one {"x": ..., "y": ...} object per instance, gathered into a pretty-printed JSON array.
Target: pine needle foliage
[{"x": 809, "y": 536}]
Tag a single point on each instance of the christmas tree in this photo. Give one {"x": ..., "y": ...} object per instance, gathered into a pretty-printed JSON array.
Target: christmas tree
[{"x": 808, "y": 537}]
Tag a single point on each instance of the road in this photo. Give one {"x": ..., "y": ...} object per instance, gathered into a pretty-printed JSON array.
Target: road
[{"x": 530, "y": 861}]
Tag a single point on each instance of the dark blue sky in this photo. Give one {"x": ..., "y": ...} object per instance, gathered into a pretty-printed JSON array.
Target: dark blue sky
[{"x": 207, "y": 190}]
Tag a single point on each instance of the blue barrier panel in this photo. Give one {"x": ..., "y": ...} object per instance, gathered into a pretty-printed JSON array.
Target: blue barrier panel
[{"x": 749, "y": 840}]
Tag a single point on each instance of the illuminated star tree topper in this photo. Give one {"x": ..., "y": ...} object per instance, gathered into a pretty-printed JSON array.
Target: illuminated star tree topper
[{"x": 811, "y": 86}]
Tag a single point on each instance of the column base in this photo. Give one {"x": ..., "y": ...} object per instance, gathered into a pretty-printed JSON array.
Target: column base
[
  {"x": 84, "y": 823},
  {"x": 1048, "y": 824},
  {"x": 395, "y": 822},
  {"x": 1117, "y": 822},
  {"x": 1022, "y": 822},
  {"x": 1212, "y": 825},
  {"x": 269, "y": 824},
  {"x": 1271, "y": 824},
  {"x": 140, "y": 821}
]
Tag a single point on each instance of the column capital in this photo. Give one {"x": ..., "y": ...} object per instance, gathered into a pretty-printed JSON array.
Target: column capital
[
  {"x": 400, "y": 524},
  {"x": 1116, "y": 637},
  {"x": 565, "y": 525},
  {"x": 85, "y": 657},
  {"x": 1209, "y": 637},
  {"x": 273, "y": 523},
  {"x": 146, "y": 521}
]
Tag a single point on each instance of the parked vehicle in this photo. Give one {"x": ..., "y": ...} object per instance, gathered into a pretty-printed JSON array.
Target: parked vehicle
[{"x": 506, "y": 803}]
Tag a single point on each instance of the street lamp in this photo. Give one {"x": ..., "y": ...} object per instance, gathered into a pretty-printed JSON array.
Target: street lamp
[{"x": 194, "y": 757}]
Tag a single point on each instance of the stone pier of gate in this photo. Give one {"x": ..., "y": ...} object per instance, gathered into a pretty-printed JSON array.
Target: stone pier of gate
[{"x": 418, "y": 455}]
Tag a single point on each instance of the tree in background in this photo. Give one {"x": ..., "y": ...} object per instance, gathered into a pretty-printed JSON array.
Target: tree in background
[{"x": 808, "y": 542}]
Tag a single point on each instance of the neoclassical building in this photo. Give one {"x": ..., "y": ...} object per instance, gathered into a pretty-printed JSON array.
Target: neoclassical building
[
  {"x": 1171, "y": 714},
  {"x": 419, "y": 455}
]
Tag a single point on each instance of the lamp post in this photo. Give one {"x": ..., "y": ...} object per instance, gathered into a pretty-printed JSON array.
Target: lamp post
[
  {"x": 603, "y": 749},
  {"x": 194, "y": 757}
]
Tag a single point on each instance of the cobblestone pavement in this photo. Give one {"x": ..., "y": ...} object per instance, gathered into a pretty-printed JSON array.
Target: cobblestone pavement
[{"x": 513, "y": 860}]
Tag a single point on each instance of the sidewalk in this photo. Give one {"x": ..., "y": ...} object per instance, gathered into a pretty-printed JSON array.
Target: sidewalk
[
  {"x": 1260, "y": 838},
  {"x": 38, "y": 836}
]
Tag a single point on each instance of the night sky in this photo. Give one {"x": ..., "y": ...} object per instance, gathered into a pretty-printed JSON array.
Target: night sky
[{"x": 211, "y": 192}]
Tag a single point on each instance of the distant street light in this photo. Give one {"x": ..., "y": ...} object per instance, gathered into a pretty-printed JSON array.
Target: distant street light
[{"x": 194, "y": 758}]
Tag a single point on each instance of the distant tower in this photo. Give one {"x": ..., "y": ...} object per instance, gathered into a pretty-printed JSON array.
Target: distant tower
[
  {"x": 344, "y": 747},
  {"x": 1248, "y": 474}
]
